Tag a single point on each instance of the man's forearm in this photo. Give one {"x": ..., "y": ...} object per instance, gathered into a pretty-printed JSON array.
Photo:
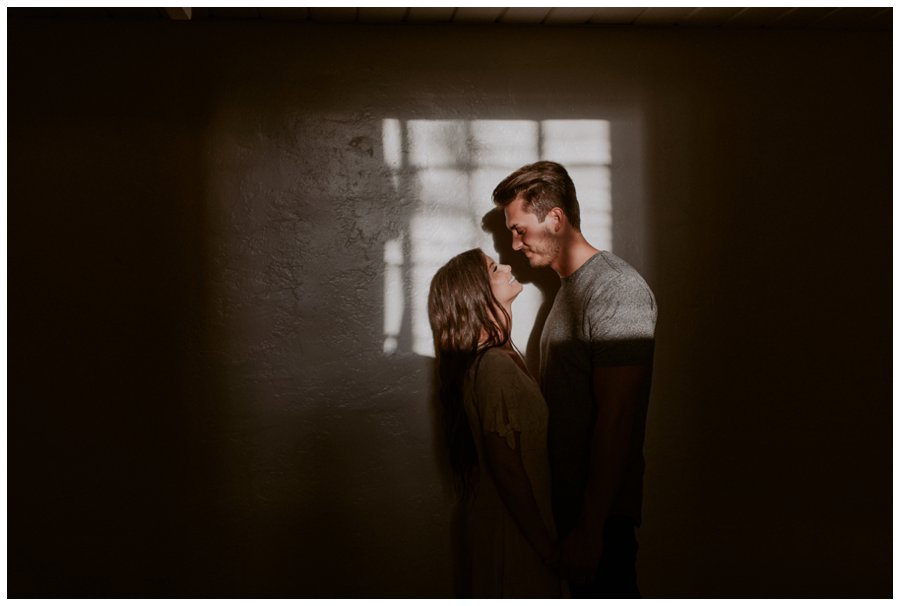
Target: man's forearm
[
  {"x": 609, "y": 443},
  {"x": 616, "y": 397}
]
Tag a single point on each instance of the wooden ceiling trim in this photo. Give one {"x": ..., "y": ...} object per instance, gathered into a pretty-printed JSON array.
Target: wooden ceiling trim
[
  {"x": 569, "y": 16},
  {"x": 712, "y": 16},
  {"x": 617, "y": 16},
  {"x": 382, "y": 14},
  {"x": 664, "y": 16},
  {"x": 421, "y": 14},
  {"x": 524, "y": 15},
  {"x": 477, "y": 15},
  {"x": 844, "y": 18},
  {"x": 754, "y": 16},
  {"x": 816, "y": 18},
  {"x": 800, "y": 18}
]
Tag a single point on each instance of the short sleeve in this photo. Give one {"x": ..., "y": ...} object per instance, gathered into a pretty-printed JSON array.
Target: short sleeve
[
  {"x": 498, "y": 396},
  {"x": 622, "y": 323}
]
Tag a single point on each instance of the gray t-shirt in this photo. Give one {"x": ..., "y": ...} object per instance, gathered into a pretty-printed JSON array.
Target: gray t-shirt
[{"x": 604, "y": 314}]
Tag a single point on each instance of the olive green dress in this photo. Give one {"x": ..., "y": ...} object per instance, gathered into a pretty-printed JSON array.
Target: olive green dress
[{"x": 502, "y": 398}]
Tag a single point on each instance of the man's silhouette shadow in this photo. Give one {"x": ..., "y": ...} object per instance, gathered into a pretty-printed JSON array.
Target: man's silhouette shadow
[{"x": 544, "y": 278}]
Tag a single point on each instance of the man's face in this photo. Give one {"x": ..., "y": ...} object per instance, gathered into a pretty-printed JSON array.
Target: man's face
[{"x": 534, "y": 238}]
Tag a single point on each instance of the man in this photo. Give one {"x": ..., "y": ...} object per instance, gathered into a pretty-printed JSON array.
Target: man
[{"x": 596, "y": 366}]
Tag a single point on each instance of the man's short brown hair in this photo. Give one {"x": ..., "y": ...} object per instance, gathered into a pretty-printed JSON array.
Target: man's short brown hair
[{"x": 543, "y": 185}]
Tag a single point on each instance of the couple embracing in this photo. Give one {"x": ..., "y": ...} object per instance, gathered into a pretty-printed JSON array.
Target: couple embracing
[{"x": 549, "y": 469}]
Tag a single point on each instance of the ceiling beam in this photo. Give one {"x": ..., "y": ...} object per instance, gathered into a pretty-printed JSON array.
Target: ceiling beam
[{"x": 178, "y": 14}]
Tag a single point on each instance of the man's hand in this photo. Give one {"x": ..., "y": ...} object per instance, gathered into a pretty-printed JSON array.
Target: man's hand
[{"x": 580, "y": 556}]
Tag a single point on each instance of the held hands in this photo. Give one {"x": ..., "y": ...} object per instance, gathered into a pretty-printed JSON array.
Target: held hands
[
  {"x": 580, "y": 556},
  {"x": 550, "y": 556}
]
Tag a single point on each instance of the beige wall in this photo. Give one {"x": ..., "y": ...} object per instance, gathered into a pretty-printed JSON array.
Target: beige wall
[{"x": 199, "y": 398}]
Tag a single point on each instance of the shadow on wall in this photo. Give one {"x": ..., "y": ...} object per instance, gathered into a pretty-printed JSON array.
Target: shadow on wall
[
  {"x": 113, "y": 417},
  {"x": 208, "y": 273},
  {"x": 331, "y": 437}
]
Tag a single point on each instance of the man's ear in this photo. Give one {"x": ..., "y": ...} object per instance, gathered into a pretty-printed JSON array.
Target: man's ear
[{"x": 557, "y": 217}]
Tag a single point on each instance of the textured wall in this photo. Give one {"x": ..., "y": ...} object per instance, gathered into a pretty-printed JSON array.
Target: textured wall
[{"x": 199, "y": 213}]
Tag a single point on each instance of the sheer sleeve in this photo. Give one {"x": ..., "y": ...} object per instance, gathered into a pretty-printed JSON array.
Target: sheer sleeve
[{"x": 499, "y": 392}]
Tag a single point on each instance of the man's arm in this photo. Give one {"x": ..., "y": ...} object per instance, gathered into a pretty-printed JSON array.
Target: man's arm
[{"x": 618, "y": 392}]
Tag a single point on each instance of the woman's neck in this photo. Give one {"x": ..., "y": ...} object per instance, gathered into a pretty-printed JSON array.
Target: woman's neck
[{"x": 482, "y": 340}]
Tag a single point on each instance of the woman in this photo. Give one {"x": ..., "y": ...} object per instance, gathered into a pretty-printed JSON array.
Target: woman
[{"x": 496, "y": 423}]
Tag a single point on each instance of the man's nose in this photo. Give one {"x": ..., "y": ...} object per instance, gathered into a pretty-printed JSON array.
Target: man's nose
[{"x": 516, "y": 242}]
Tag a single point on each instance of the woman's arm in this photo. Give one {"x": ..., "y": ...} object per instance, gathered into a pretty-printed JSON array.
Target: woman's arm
[{"x": 512, "y": 482}]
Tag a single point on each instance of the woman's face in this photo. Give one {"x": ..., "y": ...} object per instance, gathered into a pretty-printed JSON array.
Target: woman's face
[{"x": 503, "y": 284}]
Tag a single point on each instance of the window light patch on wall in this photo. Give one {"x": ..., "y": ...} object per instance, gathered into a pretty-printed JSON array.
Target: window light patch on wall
[{"x": 449, "y": 168}]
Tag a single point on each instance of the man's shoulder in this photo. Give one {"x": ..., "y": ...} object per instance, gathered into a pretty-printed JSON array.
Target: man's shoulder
[
  {"x": 609, "y": 265},
  {"x": 607, "y": 275}
]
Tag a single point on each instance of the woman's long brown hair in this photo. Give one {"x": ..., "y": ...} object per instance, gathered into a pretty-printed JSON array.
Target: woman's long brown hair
[{"x": 462, "y": 309}]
